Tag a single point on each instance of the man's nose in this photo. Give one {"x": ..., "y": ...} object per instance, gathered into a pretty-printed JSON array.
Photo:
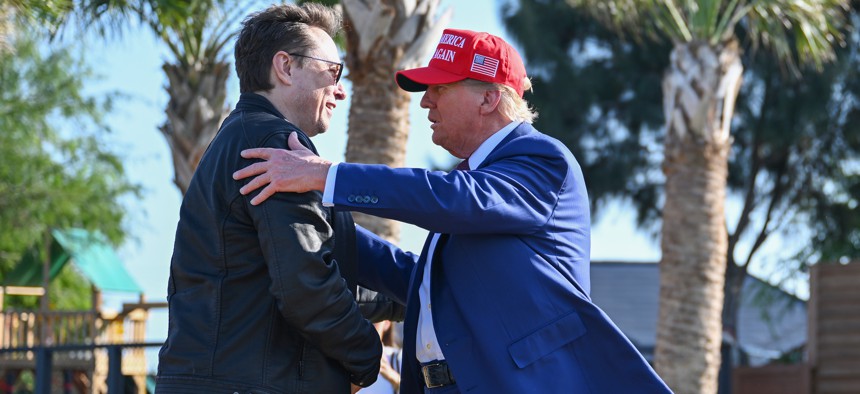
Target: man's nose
[
  {"x": 340, "y": 92},
  {"x": 425, "y": 100}
]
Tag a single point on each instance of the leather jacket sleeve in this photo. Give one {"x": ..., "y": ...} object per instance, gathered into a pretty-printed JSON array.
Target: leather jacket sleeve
[
  {"x": 377, "y": 307},
  {"x": 374, "y": 306},
  {"x": 297, "y": 243}
]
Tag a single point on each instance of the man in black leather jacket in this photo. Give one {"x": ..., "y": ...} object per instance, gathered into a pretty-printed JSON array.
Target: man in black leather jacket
[{"x": 257, "y": 297}]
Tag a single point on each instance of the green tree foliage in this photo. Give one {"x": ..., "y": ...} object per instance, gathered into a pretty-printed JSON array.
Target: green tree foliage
[
  {"x": 55, "y": 171},
  {"x": 197, "y": 34},
  {"x": 795, "y": 161},
  {"x": 599, "y": 95},
  {"x": 797, "y": 140},
  {"x": 51, "y": 12},
  {"x": 796, "y": 157}
]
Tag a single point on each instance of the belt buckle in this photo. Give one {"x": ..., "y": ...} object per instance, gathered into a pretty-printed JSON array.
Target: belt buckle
[{"x": 428, "y": 370}]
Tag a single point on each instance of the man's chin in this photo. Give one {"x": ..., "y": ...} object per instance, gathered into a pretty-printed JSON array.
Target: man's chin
[
  {"x": 319, "y": 129},
  {"x": 437, "y": 142},
  {"x": 322, "y": 126}
]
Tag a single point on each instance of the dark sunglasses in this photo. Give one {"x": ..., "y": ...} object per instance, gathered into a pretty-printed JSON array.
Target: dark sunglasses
[{"x": 339, "y": 68}]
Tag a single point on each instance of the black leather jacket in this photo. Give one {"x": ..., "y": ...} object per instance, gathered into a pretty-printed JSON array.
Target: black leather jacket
[{"x": 257, "y": 301}]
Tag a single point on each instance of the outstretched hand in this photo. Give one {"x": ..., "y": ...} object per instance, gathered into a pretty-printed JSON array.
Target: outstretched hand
[{"x": 298, "y": 170}]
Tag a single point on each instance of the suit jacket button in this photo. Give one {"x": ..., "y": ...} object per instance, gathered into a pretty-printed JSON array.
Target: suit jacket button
[
  {"x": 374, "y": 200},
  {"x": 366, "y": 199},
  {"x": 351, "y": 198}
]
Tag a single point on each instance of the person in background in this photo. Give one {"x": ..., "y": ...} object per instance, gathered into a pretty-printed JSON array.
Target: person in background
[
  {"x": 259, "y": 297},
  {"x": 498, "y": 300},
  {"x": 388, "y": 381}
]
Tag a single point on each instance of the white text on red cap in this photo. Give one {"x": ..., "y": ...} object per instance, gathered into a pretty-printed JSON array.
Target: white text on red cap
[
  {"x": 448, "y": 54},
  {"x": 452, "y": 40}
]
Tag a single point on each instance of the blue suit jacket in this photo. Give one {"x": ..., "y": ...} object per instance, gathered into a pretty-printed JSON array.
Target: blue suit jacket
[{"x": 510, "y": 286}]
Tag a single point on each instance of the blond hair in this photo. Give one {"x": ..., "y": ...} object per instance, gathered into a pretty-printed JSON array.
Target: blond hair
[{"x": 511, "y": 105}]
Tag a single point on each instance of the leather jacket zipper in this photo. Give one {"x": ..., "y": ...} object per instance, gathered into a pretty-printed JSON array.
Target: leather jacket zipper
[{"x": 302, "y": 361}]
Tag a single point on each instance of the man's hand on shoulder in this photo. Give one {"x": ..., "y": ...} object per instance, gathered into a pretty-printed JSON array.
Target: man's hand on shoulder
[{"x": 298, "y": 170}]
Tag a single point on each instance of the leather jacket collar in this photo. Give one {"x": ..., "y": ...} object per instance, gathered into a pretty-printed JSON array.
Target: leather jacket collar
[{"x": 255, "y": 102}]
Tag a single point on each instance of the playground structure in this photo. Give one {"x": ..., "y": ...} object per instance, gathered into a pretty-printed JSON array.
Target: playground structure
[{"x": 72, "y": 345}]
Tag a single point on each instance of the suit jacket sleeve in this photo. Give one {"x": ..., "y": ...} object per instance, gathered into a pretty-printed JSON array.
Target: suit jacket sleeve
[
  {"x": 515, "y": 192},
  {"x": 382, "y": 266},
  {"x": 296, "y": 240}
]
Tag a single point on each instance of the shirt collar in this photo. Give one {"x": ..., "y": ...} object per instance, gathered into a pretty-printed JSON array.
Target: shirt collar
[{"x": 489, "y": 144}]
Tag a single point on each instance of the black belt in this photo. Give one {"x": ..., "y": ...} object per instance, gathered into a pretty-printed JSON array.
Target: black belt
[{"x": 437, "y": 374}]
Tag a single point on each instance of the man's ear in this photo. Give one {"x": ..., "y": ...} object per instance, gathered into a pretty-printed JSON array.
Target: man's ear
[
  {"x": 282, "y": 64},
  {"x": 490, "y": 101}
]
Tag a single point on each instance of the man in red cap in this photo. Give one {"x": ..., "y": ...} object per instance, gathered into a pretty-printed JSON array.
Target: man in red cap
[{"x": 498, "y": 300}]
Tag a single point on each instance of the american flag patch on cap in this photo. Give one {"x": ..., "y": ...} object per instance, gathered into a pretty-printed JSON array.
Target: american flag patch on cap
[{"x": 485, "y": 65}]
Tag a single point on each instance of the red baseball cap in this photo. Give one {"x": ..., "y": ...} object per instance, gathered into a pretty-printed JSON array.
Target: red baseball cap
[{"x": 465, "y": 54}]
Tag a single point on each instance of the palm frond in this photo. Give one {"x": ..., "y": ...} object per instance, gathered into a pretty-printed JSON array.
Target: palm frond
[
  {"x": 202, "y": 36},
  {"x": 634, "y": 17},
  {"x": 679, "y": 20},
  {"x": 675, "y": 20},
  {"x": 107, "y": 17},
  {"x": 728, "y": 20},
  {"x": 51, "y": 12},
  {"x": 705, "y": 17},
  {"x": 798, "y": 31}
]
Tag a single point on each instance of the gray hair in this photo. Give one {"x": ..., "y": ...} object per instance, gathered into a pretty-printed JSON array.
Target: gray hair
[{"x": 511, "y": 104}]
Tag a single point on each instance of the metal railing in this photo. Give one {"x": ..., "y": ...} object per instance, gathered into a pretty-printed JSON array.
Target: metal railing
[
  {"x": 44, "y": 361},
  {"x": 68, "y": 341}
]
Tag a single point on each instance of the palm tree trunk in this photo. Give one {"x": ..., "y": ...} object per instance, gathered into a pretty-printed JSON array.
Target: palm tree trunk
[
  {"x": 699, "y": 96},
  {"x": 195, "y": 111},
  {"x": 378, "y": 131},
  {"x": 384, "y": 36},
  {"x": 732, "y": 292}
]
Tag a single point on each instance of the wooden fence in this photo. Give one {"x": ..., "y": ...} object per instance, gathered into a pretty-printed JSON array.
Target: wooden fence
[
  {"x": 834, "y": 328},
  {"x": 26, "y": 329},
  {"x": 31, "y": 329},
  {"x": 771, "y": 379}
]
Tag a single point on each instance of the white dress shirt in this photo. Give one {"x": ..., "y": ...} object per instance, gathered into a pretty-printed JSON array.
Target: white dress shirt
[{"x": 427, "y": 346}]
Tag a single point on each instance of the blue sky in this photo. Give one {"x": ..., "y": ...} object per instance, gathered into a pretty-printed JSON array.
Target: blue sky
[{"x": 132, "y": 65}]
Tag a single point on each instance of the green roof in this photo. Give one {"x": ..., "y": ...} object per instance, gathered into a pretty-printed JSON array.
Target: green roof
[{"x": 89, "y": 252}]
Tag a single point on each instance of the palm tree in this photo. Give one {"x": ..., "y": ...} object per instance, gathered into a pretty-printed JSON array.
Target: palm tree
[
  {"x": 196, "y": 32},
  {"x": 196, "y": 83},
  {"x": 699, "y": 92},
  {"x": 47, "y": 13},
  {"x": 384, "y": 36}
]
